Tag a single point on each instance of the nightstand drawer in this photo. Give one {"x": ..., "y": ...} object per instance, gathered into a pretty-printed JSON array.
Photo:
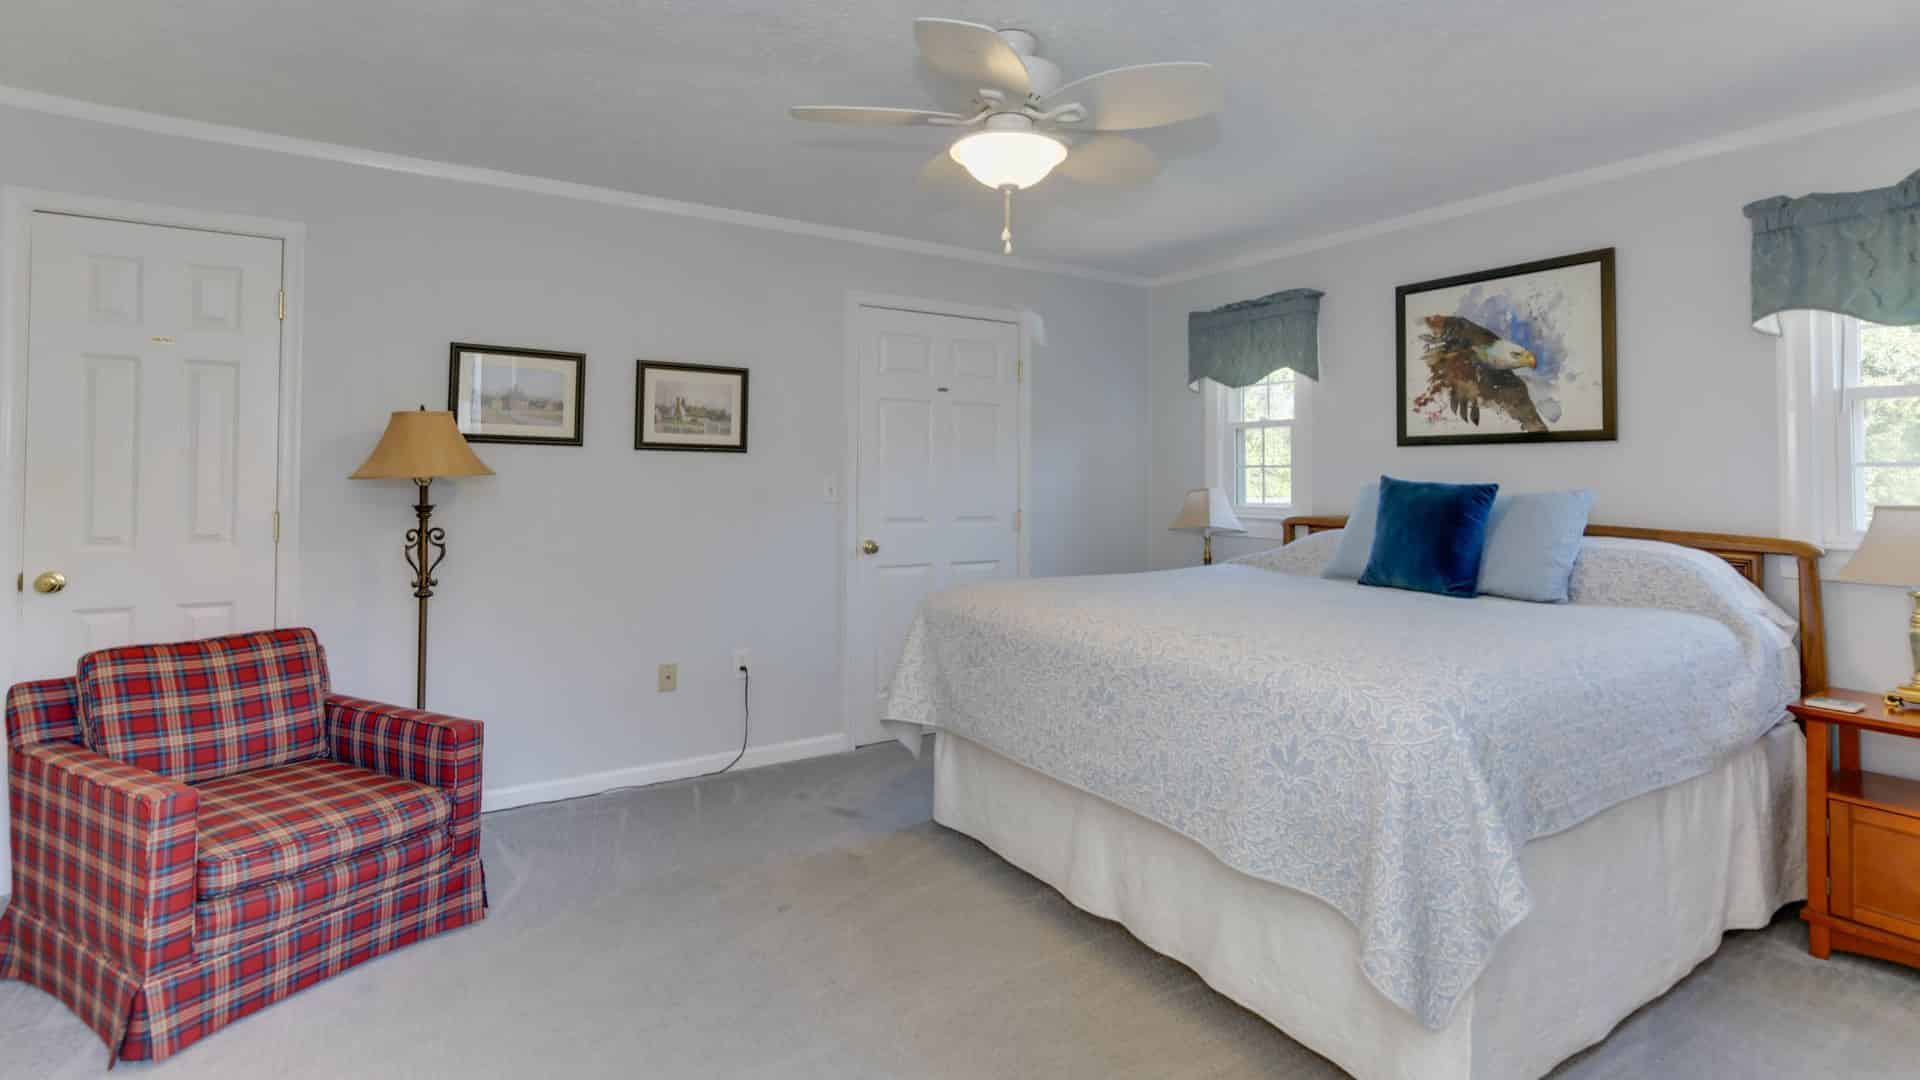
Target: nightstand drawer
[{"x": 1875, "y": 867}]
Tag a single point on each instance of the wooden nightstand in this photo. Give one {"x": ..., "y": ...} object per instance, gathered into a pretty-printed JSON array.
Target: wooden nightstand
[{"x": 1863, "y": 837}]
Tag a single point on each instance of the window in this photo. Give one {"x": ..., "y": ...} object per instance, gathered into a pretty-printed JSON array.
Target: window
[
  {"x": 1261, "y": 420},
  {"x": 1851, "y": 434},
  {"x": 1880, "y": 391},
  {"x": 1257, "y": 448}
]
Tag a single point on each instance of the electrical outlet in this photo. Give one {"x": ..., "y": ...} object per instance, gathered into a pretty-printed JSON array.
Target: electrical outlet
[
  {"x": 833, "y": 489},
  {"x": 669, "y": 678},
  {"x": 741, "y": 659}
]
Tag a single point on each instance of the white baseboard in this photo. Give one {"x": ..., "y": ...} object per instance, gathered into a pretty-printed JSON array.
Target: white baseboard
[{"x": 635, "y": 775}]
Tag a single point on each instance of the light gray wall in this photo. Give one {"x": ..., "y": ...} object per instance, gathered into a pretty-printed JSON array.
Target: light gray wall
[
  {"x": 1698, "y": 402},
  {"x": 573, "y": 572}
]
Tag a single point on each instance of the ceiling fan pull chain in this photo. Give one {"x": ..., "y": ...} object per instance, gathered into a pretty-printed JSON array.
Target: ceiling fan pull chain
[{"x": 1006, "y": 220}]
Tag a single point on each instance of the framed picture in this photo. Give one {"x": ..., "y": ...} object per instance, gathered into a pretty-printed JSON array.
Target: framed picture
[
  {"x": 1519, "y": 354},
  {"x": 689, "y": 407},
  {"x": 500, "y": 394}
]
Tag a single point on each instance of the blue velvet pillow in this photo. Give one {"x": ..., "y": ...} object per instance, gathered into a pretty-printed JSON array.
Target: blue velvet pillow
[
  {"x": 1429, "y": 537},
  {"x": 1532, "y": 542}
]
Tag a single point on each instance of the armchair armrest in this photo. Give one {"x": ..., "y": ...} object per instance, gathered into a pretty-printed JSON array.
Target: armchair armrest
[
  {"x": 427, "y": 748},
  {"x": 105, "y": 851}
]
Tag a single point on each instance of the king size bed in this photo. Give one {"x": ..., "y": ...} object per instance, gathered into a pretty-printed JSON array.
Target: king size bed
[{"x": 1427, "y": 837}]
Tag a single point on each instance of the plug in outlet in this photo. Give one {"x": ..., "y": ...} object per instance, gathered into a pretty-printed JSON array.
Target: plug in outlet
[
  {"x": 669, "y": 678},
  {"x": 742, "y": 659}
]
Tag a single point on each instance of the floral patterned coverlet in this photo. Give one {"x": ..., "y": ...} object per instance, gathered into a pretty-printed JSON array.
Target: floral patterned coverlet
[{"x": 1388, "y": 752}]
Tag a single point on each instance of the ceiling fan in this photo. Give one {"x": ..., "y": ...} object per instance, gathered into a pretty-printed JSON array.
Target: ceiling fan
[{"x": 1024, "y": 123}]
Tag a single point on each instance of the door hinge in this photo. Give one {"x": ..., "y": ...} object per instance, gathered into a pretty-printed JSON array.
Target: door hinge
[
  {"x": 1020, "y": 369},
  {"x": 1016, "y": 521},
  {"x": 276, "y": 526},
  {"x": 283, "y": 305},
  {"x": 20, "y": 581}
]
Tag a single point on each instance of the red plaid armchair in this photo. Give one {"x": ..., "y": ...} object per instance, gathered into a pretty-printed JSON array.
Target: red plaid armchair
[{"x": 201, "y": 829}]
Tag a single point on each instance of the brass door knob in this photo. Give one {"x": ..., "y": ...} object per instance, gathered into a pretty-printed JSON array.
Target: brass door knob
[
  {"x": 50, "y": 581},
  {"x": 870, "y": 547}
]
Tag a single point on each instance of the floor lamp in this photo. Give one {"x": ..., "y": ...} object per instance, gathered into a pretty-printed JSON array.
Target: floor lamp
[{"x": 422, "y": 446}]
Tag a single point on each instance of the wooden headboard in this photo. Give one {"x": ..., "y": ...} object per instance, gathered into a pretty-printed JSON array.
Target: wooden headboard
[{"x": 1747, "y": 554}]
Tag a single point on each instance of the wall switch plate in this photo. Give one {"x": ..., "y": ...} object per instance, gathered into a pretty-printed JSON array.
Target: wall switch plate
[{"x": 669, "y": 678}]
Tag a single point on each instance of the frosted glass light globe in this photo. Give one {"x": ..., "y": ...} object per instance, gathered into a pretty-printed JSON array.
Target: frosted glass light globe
[{"x": 1001, "y": 159}]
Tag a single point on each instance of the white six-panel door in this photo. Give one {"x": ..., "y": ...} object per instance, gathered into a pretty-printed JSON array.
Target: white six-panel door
[
  {"x": 152, "y": 432},
  {"x": 938, "y": 481}
]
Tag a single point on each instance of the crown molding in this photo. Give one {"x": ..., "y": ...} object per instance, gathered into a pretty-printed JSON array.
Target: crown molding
[
  {"x": 1792, "y": 127},
  {"x": 249, "y": 138}
]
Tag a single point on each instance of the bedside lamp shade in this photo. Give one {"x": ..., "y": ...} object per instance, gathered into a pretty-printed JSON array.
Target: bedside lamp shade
[
  {"x": 421, "y": 445},
  {"x": 1890, "y": 554},
  {"x": 1207, "y": 511}
]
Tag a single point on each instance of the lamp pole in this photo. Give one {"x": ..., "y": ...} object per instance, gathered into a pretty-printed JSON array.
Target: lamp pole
[{"x": 426, "y": 546}]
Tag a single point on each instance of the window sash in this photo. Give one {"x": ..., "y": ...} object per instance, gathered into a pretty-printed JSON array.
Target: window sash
[
  {"x": 1236, "y": 447},
  {"x": 1852, "y": 431}
]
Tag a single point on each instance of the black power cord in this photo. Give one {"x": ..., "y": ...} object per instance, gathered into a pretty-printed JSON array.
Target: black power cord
[{"x": 746, "y": 722}]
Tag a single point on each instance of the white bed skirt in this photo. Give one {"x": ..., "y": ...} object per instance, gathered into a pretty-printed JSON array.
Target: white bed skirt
[{"x": 1625, "y": 904}]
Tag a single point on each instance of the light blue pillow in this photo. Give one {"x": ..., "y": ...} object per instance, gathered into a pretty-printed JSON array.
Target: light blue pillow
[
  {"x": 1532, "y": 542},
  {"x": 1356, "y": 539}
]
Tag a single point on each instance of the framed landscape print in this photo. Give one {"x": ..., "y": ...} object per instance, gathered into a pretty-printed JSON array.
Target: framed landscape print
[
  {"x": 1519, "y": 354},
  {"x": 689, "y": 407},
  {"x": 500, "y": 394}
]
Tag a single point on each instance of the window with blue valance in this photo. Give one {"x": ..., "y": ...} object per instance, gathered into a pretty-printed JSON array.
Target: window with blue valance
[
  {"x": 1242, "y": 343},
  {"x": 1855, "y": 254}
]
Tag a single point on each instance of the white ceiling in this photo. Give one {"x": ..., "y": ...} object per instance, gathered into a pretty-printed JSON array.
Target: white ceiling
[{"x": 1339, "y": 112}]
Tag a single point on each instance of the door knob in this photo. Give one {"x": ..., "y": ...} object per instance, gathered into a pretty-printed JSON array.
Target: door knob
[
  {"x": 50, "y": 581},
  {"x": 870, "y": 547}
]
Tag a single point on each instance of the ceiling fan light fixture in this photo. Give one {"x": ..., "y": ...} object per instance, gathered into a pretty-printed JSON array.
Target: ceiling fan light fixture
[{"x": 1003, "y": 159}]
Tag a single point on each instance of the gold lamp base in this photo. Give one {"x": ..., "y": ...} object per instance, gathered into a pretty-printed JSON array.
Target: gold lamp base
[{"x": 1907, "y": 696}]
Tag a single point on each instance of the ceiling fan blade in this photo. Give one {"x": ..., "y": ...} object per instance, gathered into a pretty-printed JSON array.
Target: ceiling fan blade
[
  {"x": 1110, "y": 160},
  {"x": 964, "y": 50},
  {"x": 873, "y": 116},
  {"x": 1144, "y": 96}
]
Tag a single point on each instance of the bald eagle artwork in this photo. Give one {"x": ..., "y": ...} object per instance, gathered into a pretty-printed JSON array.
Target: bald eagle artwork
[
  {"x": 1470, "y": 367},
  {"x": 1521, "y": 354}
]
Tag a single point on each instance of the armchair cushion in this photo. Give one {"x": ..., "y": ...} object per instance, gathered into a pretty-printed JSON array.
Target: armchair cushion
[
  {"x": 262, "y": 826},
  {"x": 199, "y": 710}
]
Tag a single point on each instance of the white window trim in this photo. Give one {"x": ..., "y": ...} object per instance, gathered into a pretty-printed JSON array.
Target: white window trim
[{"x": 1262, "y": 522}]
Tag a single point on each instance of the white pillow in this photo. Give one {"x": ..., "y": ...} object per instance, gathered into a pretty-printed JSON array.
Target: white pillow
[{"x": 1307, "y": 555}]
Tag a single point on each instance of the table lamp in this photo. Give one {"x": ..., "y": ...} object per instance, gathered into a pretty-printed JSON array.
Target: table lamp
[
  {"x": 422, "y": 446},
  {"x": 1890, "y": 555},
  {"x": 1206, "y": 512}
]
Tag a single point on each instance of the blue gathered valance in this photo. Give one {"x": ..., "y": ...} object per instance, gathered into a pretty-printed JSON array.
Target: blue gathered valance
[
  {"x": 1857, "y": 254},
  {"x": 1240, "y": 344}
]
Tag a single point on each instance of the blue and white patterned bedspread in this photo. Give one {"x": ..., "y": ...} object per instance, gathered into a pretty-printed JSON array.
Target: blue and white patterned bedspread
[{"x": 1388, "y": 752}]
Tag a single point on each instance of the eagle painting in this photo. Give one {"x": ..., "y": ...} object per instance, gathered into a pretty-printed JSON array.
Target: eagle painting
[{"x": 1471, "y": 368}]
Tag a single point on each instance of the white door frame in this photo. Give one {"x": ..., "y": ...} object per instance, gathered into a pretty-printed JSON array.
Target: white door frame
[
  {"x": 850, "y": 699},
  {"x": 17, "y": 207}
]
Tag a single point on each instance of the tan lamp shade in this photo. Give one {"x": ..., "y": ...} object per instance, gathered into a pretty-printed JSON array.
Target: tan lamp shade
[
  {"x": 1890, "y": 554},
  {"x": 421, "y": 445},
  {"x": 1207, "y": 510}
]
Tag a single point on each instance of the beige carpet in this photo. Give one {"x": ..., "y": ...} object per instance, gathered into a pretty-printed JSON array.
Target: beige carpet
[{"x": 807, "y": 920}]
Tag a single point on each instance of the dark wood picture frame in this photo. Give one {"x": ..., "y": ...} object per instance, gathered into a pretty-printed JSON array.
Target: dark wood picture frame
[
  {"x": 1608, "y": 431},
  {"x": 640, "y": 440},
  {"x": 577, "y": 437}
]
